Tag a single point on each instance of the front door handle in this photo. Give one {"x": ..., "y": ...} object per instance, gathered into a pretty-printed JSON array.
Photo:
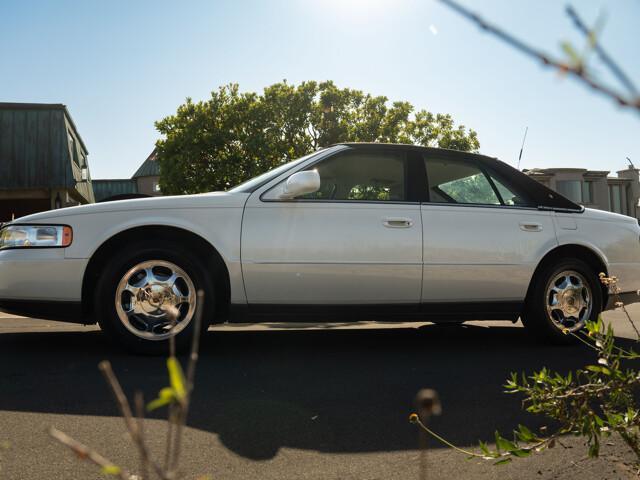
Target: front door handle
[
  {"x": 397, "y": 222},
  {"x": 530, "y": 227}
]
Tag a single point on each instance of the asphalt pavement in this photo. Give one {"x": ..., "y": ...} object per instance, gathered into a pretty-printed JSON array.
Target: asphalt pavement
[{"x": 291, "y": 401}]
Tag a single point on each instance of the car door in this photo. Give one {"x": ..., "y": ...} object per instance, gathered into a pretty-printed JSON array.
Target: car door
[
  {"x": 482, "y": 238},
  {"x": 355, "y": 241}
]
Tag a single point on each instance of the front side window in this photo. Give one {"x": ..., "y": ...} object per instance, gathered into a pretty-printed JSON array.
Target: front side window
[{"x": 361, "y": 176}]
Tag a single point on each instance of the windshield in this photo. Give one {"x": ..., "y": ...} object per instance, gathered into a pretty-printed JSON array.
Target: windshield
[{"x": 251, "y": 185}]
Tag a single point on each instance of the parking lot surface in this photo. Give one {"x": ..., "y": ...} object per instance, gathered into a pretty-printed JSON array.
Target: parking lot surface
[{"x": 290, "y": 401}]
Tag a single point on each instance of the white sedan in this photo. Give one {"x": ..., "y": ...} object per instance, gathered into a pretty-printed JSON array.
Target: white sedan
[{"x": 351, "y": 232}]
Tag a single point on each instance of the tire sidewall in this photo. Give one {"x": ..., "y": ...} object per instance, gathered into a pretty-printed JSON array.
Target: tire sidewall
[{"x": 116, "y": 268}]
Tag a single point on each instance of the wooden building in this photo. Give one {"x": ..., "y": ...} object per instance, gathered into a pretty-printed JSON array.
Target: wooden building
[{"x": 43, "y": 160}]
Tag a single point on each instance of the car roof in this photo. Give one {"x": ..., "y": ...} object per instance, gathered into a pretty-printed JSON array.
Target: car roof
[{"x": 409, "y": 146}]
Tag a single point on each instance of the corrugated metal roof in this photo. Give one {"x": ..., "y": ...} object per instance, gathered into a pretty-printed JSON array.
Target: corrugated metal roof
[
  {"x": 108, "y": 188},
  {"x": 150, "y": 167}
]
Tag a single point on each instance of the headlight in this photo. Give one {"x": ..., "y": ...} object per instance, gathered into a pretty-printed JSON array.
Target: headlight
[{"x": 35, "y": 236}]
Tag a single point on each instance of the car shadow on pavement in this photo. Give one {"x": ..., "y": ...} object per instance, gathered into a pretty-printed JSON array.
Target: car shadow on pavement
[{"x": 331, "y": 391}]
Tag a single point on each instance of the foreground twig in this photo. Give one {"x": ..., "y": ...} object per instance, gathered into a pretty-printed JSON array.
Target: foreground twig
[
  {"x": 133, "y": 427},
  {"x": 144, "y": 453},
  {"x": 576, "y": 69},
  {"x": 191, "y": 371},
  {"x": 173, "y": 315},
  {"x": 612, "y": 284},
  {"x": 85, "y": 453},
  {"x": 592, "y": 402},
  {"x": 615, "y": 69},
  {"x": 177, "y": 397}
]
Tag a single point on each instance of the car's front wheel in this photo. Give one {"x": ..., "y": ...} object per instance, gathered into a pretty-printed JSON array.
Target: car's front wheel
[
  {"x": 562, "y": 298},
  {"x": 148, "y": 294}
]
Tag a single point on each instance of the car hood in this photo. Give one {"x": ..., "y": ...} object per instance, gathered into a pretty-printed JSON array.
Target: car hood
[{"x": 202, "y": 200}]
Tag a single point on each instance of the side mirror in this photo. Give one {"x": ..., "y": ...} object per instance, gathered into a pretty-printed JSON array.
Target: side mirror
[{"x": 301, "y": 183}]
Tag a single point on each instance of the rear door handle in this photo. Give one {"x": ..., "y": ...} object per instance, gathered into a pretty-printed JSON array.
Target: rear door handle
[
  {"x": 530, "y": 227},
  {"x": 397, "y": 222}
]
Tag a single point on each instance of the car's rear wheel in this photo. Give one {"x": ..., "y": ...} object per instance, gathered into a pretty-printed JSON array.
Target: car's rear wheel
[
  {"x": 147, "y": 294},
  {"x": 563, "y": 297}
]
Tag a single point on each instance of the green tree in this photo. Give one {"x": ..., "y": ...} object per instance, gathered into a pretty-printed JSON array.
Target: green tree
[{"x": 233, "y": 136}]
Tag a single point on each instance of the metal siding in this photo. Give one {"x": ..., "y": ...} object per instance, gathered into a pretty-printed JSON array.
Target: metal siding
[
  {"x": 6, "y": 146},
  {"x": 32, "y": 154},
  {"x": 19, "y": 119},
  {"x": 34, "y": 170},
  {"x": 108, "y": 188},
  {"x": 44, "y": 153},
  {"x": 60, "y": 149}
]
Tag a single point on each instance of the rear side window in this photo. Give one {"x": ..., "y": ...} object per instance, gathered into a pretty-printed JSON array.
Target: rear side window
[{"x": 462, "y": 182}]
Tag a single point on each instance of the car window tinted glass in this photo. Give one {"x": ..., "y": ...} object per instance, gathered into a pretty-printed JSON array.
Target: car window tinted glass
[
  {"x": 509, "y": 197},
  {"x": 361, "y": 176},
  {"x": 454, "y": 181}
]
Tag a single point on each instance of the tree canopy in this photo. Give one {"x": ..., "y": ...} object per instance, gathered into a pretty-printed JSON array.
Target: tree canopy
[{"x": 234, "y": 136}]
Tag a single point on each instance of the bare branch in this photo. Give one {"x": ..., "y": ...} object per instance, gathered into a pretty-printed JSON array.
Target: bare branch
[
  {"x": 133, "y": 427},
  {"x": 604, "y": 56},
  {"x": 576, "y": 70},
  {"x": 172, "y": 315},
  {"x": 171, "y": 420},
  {"x": 85, "y": 453},
  {"x": 144, "y": 454},
  {"x": 118, "y": 394},
  {"x": 191, "y": 372}
]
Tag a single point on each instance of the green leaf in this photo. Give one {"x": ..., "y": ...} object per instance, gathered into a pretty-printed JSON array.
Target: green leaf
[
  {"x": 503, "y": 461},
  {"x": 111, "y": 470},
  {"x": 485, "y": 449},
  {"x": 504, "y": 444},
  {"x": 571, "y": 52},
  {"x": 521, "y": 452},
  {"x": 176, "y": 378},
  {"x": 525, "y": 434},
  {"x": 598, "y": 420},
  {"x": 165, "y": 396}
]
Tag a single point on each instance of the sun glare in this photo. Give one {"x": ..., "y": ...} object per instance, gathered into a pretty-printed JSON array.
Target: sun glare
[{"x": 356, "y": 11}]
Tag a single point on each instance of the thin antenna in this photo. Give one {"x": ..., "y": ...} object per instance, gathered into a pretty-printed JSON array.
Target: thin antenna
[
  {"x": 630, "y": 163},
  {"x": 522, "y": 147}
]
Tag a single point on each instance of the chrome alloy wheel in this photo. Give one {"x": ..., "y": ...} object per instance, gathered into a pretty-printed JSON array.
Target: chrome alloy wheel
[
  {"x": 146, "y": 295},
  {"x": 569, "y": 300}
]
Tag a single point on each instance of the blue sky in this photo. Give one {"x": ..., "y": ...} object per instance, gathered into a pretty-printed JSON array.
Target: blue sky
[{"x": 120, "y": 65}]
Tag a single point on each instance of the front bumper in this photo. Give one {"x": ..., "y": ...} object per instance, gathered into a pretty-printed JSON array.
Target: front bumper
[{"x": 41, "y": 282}]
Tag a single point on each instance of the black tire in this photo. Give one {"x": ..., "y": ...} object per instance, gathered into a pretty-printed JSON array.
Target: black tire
[
  {"x": 535, "y": 316},
  {"x": 121, "y": 263}
]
